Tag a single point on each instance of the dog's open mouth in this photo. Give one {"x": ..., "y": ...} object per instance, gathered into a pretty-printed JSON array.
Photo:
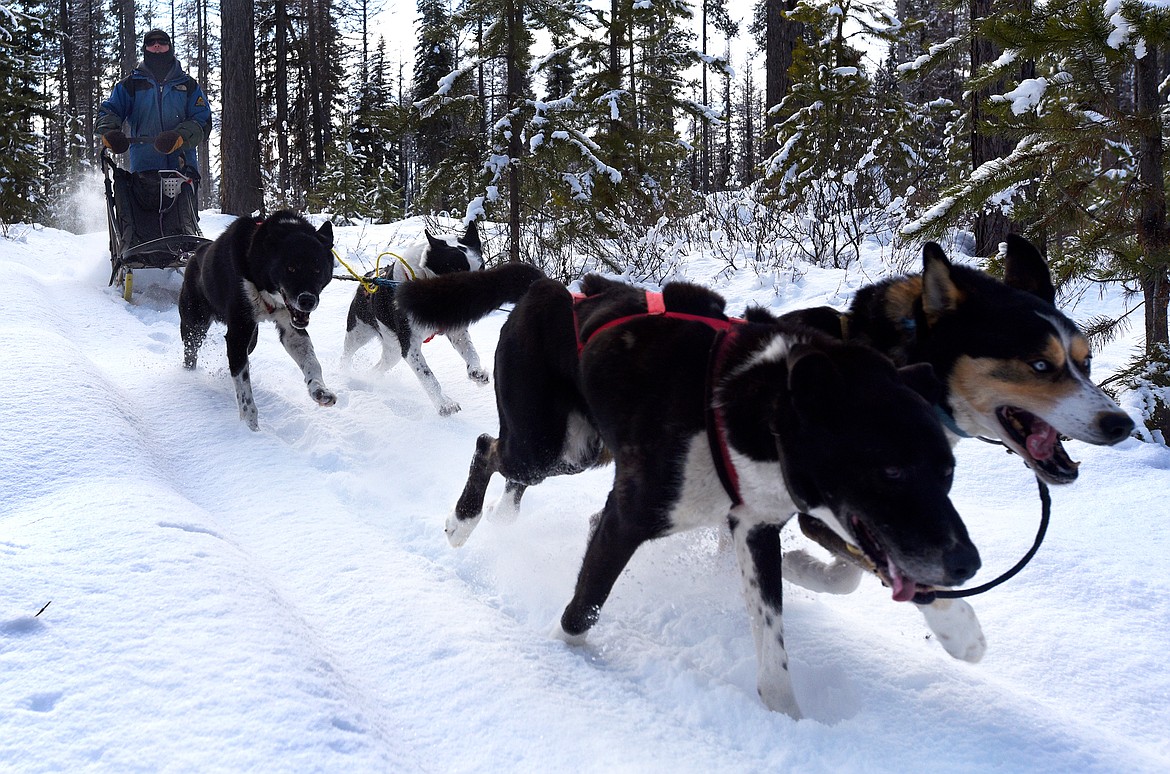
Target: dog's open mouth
[
  {"x": 1038, "y": 443},
  {"x": 300, "y": 319},
  {"x": 904, "y": 587}
]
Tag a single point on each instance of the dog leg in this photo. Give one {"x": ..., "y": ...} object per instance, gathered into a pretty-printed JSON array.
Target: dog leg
[
  {"x": 244, "y": 400},
  {"x": 194, "y": 321},
  {"x": 426, "y": 377},
  {"x": 760, "y": 557},
  {"x": 461, "y": 341},
  {"x": 391, "y": 348},
  {"x": 507, "y": 508},
  {"x": 835, "y": 577},
  {"x": 355, "y": 338},
  {"x": 613, "y": 542},
  {"x": 469, "y": 509},
  {"x": 300, "y": 348},
  {"x": 954, "y": 623},
  {"x": 239, "y": 336}
]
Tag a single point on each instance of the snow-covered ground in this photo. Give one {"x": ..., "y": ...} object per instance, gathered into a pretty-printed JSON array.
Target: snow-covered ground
[{"x": 286, "y": 600}]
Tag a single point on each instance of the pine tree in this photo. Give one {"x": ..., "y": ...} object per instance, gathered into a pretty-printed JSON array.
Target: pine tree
[
  {"x": 21, "y": 166},
  {"x": 827, "y": 172},
  {"x": 1088, "y": 162}
]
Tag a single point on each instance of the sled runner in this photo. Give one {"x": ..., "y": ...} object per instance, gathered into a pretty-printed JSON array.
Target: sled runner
[{"x": 153, "y": 219}]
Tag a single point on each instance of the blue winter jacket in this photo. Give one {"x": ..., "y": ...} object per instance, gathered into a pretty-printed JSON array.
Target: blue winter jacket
[{"x": 142, "y": 107}]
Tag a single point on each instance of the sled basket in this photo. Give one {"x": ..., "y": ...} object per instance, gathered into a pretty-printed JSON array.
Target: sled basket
[{"x": 153, "y": 217}]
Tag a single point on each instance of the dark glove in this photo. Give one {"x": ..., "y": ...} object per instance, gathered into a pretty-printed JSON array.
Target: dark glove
[
  {"x": 191, "y": 132},
  {"x": 168, "y": 141},
  {"x": 116, "y": 141}
]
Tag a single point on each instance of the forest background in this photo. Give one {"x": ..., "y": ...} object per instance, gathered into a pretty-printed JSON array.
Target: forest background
[{"x": 615, "y": 134}]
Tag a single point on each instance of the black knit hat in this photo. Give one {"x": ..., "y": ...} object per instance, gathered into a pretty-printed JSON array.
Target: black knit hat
[{"x": 155, "y": 35}]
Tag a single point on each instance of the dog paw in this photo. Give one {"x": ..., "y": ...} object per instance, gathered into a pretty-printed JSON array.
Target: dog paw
[
  {"x": 477, "y": 375},
  {"x": 323, "y": 396},
  {"x": 458, "y": 530},
  {"x": 447, "y": 408},
  {"x": 505, "y": 511},
  {"x": 778, "y": 696},
  {"x": 954, "y": 623},
  {"x": 251, "y": 420},
  {"x": 576, "y": 640}
]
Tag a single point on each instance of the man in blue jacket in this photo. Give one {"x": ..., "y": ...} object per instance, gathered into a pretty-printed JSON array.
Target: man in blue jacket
[{"x": 159, "y": 101}]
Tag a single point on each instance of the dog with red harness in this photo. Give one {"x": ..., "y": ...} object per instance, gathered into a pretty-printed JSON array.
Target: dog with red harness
[{"x": 715, "y": 421}]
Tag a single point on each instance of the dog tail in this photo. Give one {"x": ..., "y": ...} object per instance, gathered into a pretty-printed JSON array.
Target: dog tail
[{"x": 460, "y": 298}]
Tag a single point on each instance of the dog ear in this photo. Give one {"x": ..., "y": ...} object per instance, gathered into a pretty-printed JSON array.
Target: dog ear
[
  {"x": 1025, "y": 269},
  {"x": 813, "y": 382},
  {"x": 432, "y": 242},
  {"x": 325, "y": 234},
  {"x": 471, "y": 236},
  {"x": 939, "y": 293},
  {"x": 921, "y": 378}
]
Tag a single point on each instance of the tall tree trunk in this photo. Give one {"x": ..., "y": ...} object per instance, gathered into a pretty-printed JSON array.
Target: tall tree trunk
[
  {"x": 240, "y": 189},
  {"x": 705, "y": 137},
  {"x": 280, "y": 86},
  {"x": 203, "y": 70},
  {"x": 515, "y": 76},
  {"x": 991, "y": 227},
  {"x": 1152, "y": 232},
  {"x": 70, "y": 75},
  {"x": 781, "y": 35},
  {"x": 127, "y": 37}
]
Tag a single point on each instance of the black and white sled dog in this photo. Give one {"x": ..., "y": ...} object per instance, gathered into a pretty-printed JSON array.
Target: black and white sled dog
[
  {"x": 270, "y": 269},
  {"x": 1013, "y": 367},
  {"x": 710, "y": 422},
  {"x": 429, "y": 298}
]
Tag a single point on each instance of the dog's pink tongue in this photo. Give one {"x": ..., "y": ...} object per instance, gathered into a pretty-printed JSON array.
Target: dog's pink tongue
[
  {"x": 903, "y": 588},
  {"x": 1042, "y": 440}
]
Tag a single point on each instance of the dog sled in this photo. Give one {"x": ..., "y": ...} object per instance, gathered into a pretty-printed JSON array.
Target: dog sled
[{"x": 153, "y": 218}]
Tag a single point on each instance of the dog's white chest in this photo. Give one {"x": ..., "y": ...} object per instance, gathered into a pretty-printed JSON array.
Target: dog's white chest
[{"x": 265, "y": 305}]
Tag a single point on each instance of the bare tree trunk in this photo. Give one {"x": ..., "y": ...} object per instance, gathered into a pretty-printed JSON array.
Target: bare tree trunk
[
  {"x": 280, "y": 86},
  {"x": 781, "y": 36},
  {"x": 1152, "y": 232},
  {"x": 992, "y": 227},
  {"x": 515, "y": 146},
  {"x": 70, "y": 77},
  {"x": 203, "y": 68},
  {"x": 705, "y": 137},
  {"x": 240, "y": 189},
  {"x": 127, "y": 36}
]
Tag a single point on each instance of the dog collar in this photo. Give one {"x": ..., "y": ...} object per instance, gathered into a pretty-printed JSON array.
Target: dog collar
[{"x": 948, "y": 421}]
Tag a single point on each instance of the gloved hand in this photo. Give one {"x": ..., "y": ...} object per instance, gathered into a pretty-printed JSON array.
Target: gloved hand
[
  {"x": 191, "y": 132},
  {"x": 168, "y": 141},
  {"x": 116, "y": 141}
]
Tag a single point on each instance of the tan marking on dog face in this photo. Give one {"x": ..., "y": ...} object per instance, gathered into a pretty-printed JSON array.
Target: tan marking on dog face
[
  {"x": 901, "y": 297},
  {"x": 986, "y": 383},
  {"x": 1079, "y": 350}
]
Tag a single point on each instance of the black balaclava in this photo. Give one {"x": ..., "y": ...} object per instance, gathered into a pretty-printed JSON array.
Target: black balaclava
[{"x": 159, "y": 63}]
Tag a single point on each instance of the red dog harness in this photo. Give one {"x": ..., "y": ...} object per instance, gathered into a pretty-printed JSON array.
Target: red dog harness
[{"x": 724, "y": 333}]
